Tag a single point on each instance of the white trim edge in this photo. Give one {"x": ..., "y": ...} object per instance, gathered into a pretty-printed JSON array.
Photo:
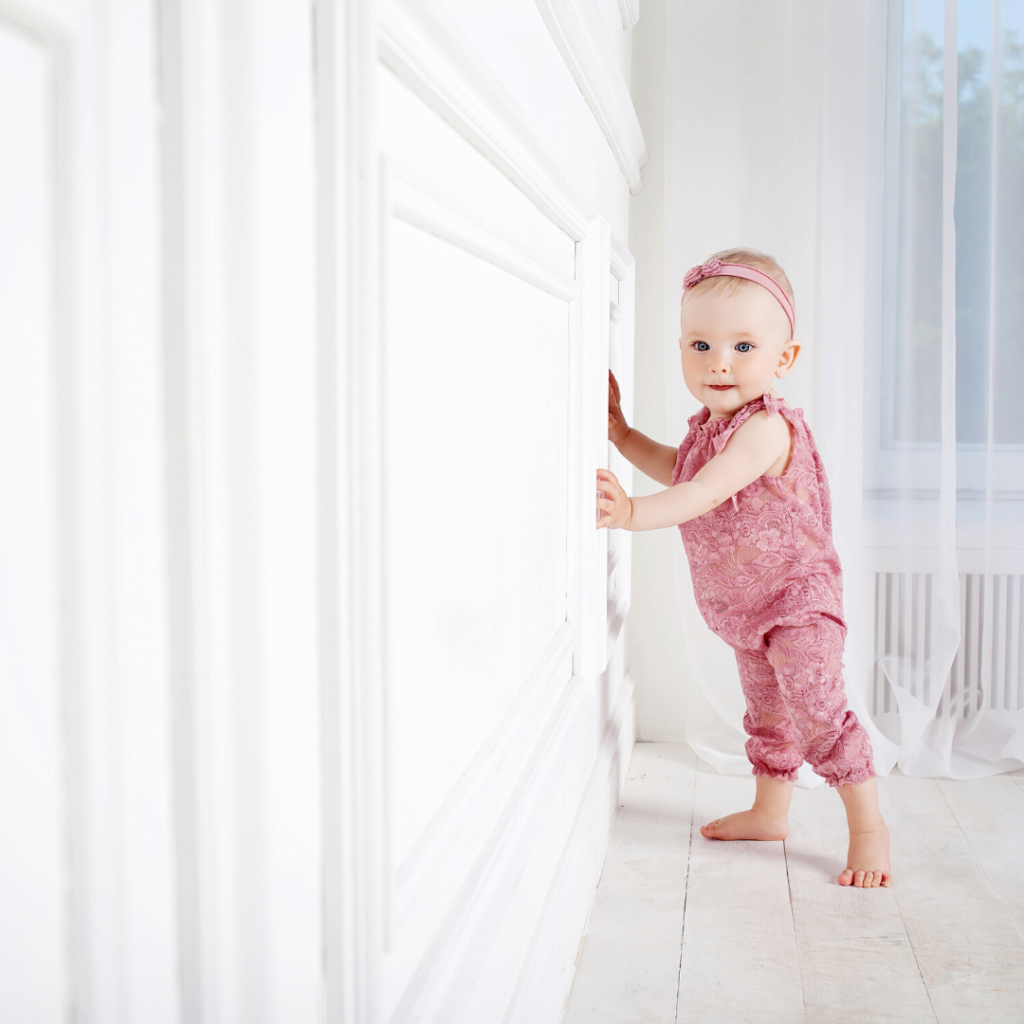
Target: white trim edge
[
  {"x": 589, "y": 58},
  {"x": 629, "y": 12}
]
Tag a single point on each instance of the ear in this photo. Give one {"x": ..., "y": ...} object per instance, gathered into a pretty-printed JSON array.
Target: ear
[{"x": 787, "y": 358}]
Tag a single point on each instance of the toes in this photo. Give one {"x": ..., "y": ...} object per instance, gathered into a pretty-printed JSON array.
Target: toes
[{"x": 865, "y": 879}]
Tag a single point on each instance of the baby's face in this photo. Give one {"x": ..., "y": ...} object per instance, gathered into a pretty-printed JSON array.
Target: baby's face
[{"x": 733, "y": 346}]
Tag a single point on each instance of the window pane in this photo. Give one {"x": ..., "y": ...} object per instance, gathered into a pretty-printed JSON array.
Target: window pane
[
  {"x": 914, "y": 276},
  {"x": 989, "y": 220},
  {"x": 973, "y": 214},
  {"x": 1008, "y": 315}
]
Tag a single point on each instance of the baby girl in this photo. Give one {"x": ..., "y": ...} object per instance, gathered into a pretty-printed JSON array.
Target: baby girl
[{"x": 748, "y": 492}]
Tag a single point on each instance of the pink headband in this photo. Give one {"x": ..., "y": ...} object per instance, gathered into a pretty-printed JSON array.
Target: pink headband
[{"x": 716, "y": 268}]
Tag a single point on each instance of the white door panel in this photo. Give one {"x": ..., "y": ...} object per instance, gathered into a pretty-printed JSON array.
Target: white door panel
[
  {"x": 476, "y": 426},
  {"x": 495, "y": 339}
]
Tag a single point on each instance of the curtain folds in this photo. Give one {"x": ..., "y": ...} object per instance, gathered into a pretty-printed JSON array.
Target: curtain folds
[{"x": 912, "y": 314}]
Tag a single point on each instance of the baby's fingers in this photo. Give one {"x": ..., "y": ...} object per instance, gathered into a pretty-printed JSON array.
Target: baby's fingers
[{"x": 613, "y": 386}]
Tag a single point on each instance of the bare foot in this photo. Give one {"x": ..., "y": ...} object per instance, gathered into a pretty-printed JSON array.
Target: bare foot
[
  {"x": 745, "y": 825},
  {"x": 868, "y": 860}
]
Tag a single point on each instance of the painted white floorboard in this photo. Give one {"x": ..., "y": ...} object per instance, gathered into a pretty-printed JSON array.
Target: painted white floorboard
[
  {"x": 855, "y": 957},
  {"x": 769, "y": 936},
  {"x": 628, "y": 968},
  {"x": 991, "y": 814},
  {"x": 739, "y": 961},
  {"x": 970, "y": 954}
]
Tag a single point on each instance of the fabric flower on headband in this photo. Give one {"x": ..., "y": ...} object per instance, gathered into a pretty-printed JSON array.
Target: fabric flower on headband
[{"x": 697, "y": 274}]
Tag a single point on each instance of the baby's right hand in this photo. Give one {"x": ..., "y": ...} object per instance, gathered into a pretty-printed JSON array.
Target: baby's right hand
[
  {"x": 614, "y": 507},
  {"x": 618, "y": 428}
]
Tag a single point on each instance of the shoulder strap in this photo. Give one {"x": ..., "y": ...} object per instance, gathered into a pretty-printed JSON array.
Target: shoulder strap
[
  {"x": 770, "y": 404},
  {"x": 722, "y": 437}
]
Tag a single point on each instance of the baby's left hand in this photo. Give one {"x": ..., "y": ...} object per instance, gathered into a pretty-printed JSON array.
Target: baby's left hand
[{"x": 616, "y": 505}]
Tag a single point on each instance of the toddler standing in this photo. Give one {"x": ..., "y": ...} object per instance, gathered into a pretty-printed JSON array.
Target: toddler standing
[{"x": 748, "y": 492}]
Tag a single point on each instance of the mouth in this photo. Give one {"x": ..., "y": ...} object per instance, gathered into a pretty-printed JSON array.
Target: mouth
[{"x": 721, "y": 387}]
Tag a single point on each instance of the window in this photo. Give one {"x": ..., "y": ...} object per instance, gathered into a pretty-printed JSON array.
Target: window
[{"x": 953, "y": 288}]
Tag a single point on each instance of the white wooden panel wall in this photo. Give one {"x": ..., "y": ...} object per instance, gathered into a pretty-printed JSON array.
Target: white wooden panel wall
[
  {"x": 33, "y": 869},
  {"x": 89, "y": 873},
  {"x": 312, "y": 702},
  {"x": 241, "y": 335},
  {"x": 495, "y": 627}
]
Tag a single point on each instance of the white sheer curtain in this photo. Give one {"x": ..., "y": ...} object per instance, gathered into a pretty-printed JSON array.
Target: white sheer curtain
[
  {"x": 944, "y": 444},
  {"x": 877, "y": 149}
]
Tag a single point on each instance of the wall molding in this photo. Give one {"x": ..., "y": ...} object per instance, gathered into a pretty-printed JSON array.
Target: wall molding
[
  {"x": 589, "y": 447},
  {"x": 556, "y": 729},
  {"x": 423, "y": 206},
  {"x": 495, "y": 776},
  {"x": 556, "y": 938},
  {"x": 488, "y": 890},
  {"x": 355, "y": 910},
  {"x": 620, "y": 359},
  {"x": 428, "y": 55},
  {"x": 584, "y": 47},
  {"x": 629, "y": 12},
  {"x": 112, "y": 780}
]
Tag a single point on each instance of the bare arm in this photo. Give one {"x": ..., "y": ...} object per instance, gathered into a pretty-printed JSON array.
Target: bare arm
[
  {"x": 652, "y": 459},
  {"x": 756, "y": 447}
]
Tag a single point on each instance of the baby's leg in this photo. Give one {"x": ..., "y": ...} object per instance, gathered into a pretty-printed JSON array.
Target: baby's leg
[
  {"x": 767, "y": 819},
  {"x": 867, "y": 861},
  {"x": 772, "y": 753},
  {"x": 808, "y": 665}
]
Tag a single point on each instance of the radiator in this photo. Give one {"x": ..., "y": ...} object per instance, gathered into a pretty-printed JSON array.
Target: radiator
[{"x": 988, "y": 670}]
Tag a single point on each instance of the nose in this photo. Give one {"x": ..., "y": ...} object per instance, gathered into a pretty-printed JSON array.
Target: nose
[{"x": 718, "y": 362}]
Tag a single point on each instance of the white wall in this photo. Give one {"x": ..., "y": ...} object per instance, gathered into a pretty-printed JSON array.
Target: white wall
[
  {"x": 503, "y": 171},
  {"x": 729, "y": 97},
  {"x": 312, "y": 686},
  {"x": 655, "y": 652}
]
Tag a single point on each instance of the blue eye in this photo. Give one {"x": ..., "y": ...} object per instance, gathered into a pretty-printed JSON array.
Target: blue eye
[
  {"x": 701, "y": 346},
  {"x": 743, "y": 346}
]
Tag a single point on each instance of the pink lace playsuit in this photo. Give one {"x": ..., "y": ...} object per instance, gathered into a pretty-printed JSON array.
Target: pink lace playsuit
[{"x": 767, "y": 580}]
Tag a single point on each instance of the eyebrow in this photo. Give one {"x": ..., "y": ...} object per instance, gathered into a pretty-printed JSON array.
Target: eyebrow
[{"x": 741, "y": 336}]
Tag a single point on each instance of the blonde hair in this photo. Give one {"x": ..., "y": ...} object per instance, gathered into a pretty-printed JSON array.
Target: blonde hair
[{"x": 746, "y": 258}]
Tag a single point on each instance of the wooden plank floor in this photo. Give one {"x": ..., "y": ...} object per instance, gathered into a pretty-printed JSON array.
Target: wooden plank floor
[{"x": 686, "y": 930}]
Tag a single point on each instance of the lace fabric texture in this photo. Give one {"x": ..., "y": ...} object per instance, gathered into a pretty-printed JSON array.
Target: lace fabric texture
[
  {"x": 796, "y": 705},
  {"x": 767, "y": 555},
  {"x": 767, "y": 580}
]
